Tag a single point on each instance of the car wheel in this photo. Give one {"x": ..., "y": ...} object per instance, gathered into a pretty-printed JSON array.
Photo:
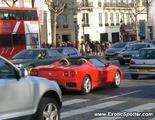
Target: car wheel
[
  {"x": 117, "y": 80},
  {"x": 121, "y": 62},
  {"x": 48, "y": 110},
  {"x": 86, "y": 86},
  {"x": 134, "y": 76}
]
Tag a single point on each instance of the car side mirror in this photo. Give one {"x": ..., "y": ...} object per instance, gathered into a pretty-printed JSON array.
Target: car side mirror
[
  {"x": 108, "y": 64},
  {"x": 23, "y": 72}
]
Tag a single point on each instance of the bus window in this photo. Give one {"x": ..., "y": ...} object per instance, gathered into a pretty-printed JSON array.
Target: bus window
[
  {"x": 12, "y": 15},
  {"x": 19, "y": 15},
  {"x": 1, "y": 15},
  {"x": 5, "y": 40},
  {"x": 18, "y": 39}
]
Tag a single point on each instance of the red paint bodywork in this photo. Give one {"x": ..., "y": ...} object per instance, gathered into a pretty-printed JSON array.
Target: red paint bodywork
[{"x": 75, "y": 74}]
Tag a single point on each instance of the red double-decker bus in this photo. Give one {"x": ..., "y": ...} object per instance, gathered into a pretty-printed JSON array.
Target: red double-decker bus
[{"x": 19, "y": 29}]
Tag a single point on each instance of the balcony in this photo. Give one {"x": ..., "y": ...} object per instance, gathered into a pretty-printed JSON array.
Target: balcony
[
  {"x": 106, "y": 24},
  {"x": 117, "y": 4},
  {"x": 100, "y": 25},
  {"x": 85, "y": 25},
  {"x": 117, "y": 24},
  {"x": 85, "y": 6},
  {"x": 65, "y": 26},
  {"x": 112, "y": 24}
]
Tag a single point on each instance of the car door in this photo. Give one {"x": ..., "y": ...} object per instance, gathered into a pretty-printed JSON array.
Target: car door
[
  {"x": 15, "y": 94},
  {"x": 102, "y": 72}
]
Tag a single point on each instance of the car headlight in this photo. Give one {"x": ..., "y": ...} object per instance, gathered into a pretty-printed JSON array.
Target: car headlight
[{"x": 19, "y": 65}]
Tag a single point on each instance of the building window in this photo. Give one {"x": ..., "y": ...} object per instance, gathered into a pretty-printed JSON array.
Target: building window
[
  {"x": 106, "y": 19},
  {"x": 117, "y": 18},
  {"x": 100, "y": 19},
  {"x": 65, "y": 21},
  {"x": 86, "y": 19},
  {"x": 122, "y": 16},
  {"x": 127, "y": 18},
  {"x": 99, "y": 3},
  {"x": 85, "y": 2},
  {"x": 112, "y": 19}
]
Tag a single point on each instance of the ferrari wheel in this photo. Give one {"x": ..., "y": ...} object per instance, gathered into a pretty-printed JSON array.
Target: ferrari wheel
[
  {"x": 117, "y": 80},
  {"x": 86, "y": 86}
]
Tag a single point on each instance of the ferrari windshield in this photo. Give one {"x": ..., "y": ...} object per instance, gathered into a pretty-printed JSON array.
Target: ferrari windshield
[
  {"x": 27, "y": 54},
  {"x": 146, "y": 54}
]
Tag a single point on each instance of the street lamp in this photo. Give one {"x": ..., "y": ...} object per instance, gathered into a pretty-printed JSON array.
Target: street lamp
[{"x": 76, "y": 29}]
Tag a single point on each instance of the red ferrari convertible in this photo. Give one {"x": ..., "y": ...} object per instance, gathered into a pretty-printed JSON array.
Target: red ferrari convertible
[{"x": 81, "y": 74}]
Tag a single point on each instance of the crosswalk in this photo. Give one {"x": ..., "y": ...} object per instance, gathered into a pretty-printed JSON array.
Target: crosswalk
[{"x": 104, "y": 106}]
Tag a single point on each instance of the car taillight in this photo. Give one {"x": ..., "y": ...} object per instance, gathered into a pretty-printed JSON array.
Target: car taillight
[
  {"x": 132, "y": 62},
  {"x": 34, "y": 73},
  {"x": 66, "y": 74},
  {"x": 72, "y": 73}
]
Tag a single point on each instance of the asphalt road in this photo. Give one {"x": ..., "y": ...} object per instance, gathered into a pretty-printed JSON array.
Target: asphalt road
[{"x": 134, "y": 100}]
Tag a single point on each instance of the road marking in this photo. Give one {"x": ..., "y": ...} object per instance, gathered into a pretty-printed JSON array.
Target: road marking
[
  {"x": 123, "y": 94},
  {"x": 139, "y": 108},
  {"x": 74, "y": 101},
  {"x": 90, "y": 108}
]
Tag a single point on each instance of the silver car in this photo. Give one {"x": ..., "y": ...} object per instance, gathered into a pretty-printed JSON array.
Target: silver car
[
  {"x": 143, "y": 63},
  {"x": 22, "y": 95}
]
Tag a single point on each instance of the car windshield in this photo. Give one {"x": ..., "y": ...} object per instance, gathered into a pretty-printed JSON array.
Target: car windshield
[
  {"x": 146, "y": 54},
  {"x": 134, "y": 47},
  {"x": 27, "y": 54},
  {"x": 118, "y": 45},
  {"x": 59, "y": 50}
]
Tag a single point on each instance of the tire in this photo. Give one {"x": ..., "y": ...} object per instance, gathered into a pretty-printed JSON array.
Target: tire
[
  {"x": 86, "y": 85},
  {"x": 134, "y": 76},
  {"x": 121, "y": 62},
  {"x": 117, "y": 80},
  {"x": 44, "y": 111}
]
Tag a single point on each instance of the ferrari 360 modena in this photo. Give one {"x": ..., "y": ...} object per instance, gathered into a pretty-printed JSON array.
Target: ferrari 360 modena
[{"x": 81, "y": 73}]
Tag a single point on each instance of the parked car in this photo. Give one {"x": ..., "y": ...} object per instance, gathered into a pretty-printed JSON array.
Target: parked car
[
  {"x": 116, "y": 49},
  {"x": 143, "y": 63},
  {"x": 150, "y": 41},
  {"x": 23, "y": 95},
  {"x": 132, "y": 50},
  {"x": 81, "y": 73},
  {"x": 34, "y": 57},
  {"x": 68, "y": 51}
]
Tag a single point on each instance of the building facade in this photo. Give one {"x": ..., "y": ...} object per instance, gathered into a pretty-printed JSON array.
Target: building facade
[{"x": 100, "y": 20}]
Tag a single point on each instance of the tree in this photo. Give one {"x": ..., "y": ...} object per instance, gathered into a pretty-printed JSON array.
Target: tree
[
  {"x": 56, "y": 7},
  {"x": 10, "y": 4},
  {"x": 138, "y": 7}
]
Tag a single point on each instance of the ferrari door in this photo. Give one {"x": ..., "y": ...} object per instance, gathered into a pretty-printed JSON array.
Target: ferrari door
[{"x": 100, "y": 66}]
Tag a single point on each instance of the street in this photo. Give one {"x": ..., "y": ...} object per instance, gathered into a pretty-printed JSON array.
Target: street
[{"x": 134, "y": 98}]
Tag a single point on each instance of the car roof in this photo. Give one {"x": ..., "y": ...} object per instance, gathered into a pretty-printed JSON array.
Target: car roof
[{"x": 152, "y": 48}]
